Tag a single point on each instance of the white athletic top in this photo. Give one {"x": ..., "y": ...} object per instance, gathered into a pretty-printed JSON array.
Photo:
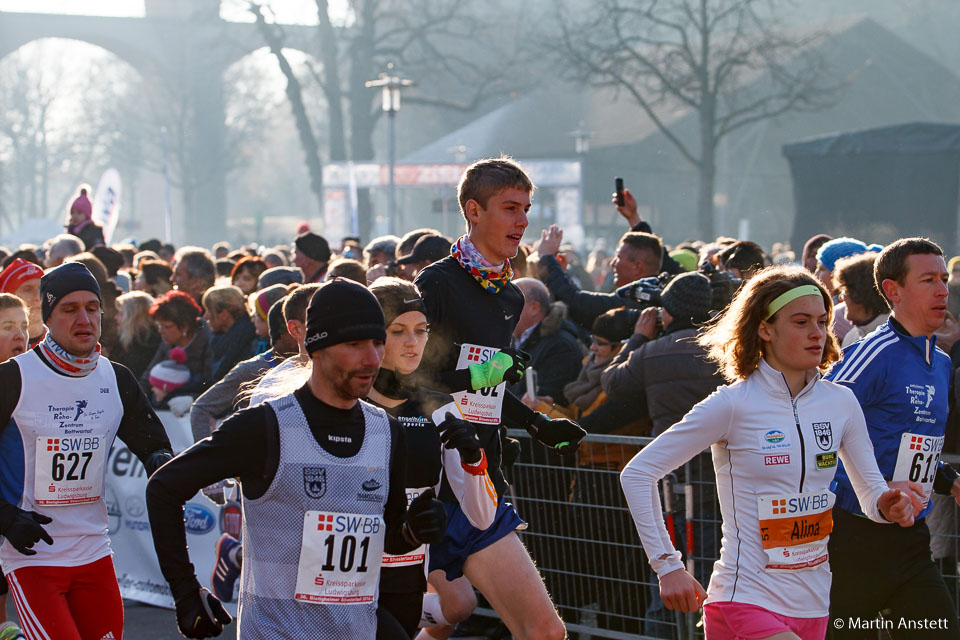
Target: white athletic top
[
  {"x": 775, "y": 457},
  {"x": 66, "y": 427}
]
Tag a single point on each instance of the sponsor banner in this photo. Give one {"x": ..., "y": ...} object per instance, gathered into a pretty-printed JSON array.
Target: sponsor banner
[
  {"x": 129, "y": 527},
  {"x": 544, "y": 173}
]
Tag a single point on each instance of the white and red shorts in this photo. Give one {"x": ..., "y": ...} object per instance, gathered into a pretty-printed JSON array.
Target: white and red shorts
[{"x": 68, "y": 603}]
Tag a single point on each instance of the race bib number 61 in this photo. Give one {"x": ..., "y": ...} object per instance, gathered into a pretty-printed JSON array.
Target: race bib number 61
[{"x": 918, "y": 459}]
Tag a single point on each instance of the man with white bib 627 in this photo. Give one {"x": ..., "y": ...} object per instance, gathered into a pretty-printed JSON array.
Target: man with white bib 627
[{"x": 61, "y": 408}]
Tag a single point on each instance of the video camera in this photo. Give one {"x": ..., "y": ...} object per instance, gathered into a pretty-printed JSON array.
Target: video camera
[{"x": 646, "y": 291}]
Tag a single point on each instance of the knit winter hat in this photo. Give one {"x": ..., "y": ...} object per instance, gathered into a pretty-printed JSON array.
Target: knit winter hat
[
  {"x": 313, "y": 246},
  {"x": 830, "y": 252},
  {"x": 820, "y": 237},
  {"x": 82, "y": 204},
  {"x": 688, "y": 297},
  {"x": 685, "y": 258},
  {"x": 266, "y": 297},
  {"x": 279, "y": 275},
  {"x": 63, "y": 280},
  {"x": 16, "y": 273},
  {"x": 342, "y": 310},
  {"x": 171, "y": 374}
]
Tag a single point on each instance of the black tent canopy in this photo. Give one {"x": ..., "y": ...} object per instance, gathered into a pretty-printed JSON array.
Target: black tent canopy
[{"x": 878, "y": 184}]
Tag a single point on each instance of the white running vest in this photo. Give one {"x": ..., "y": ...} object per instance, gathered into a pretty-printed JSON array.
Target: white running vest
[
  {"x": 66, "y": 426},
  {"x": 312, "y": 543}
]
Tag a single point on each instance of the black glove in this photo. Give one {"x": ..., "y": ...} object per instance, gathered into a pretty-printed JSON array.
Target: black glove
[
  {"x": 560, "y": 434},
  {"x": 200, "y": 615},
  {"x": 521, "y": 359},
  {"x": 426, "y": 519},
  {"x": 156, "y": 460},
  {"x": 22, "y": 529},
  {"x": 510, "y": 451},
  {"x": 460, "y": 435}
]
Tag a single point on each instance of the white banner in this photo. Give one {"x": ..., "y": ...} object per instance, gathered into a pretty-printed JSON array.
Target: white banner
[
  {"x": 138, "y": 571},
  {"x": 106, "y": 203}
]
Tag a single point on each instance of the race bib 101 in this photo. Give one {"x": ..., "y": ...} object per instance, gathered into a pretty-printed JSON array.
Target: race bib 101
[
  {"x": 68, "y": 470},
  {"x": 483, "y": 406},
  {"x": 918, "y": 459},
  {"x": 339, "y": 558},
  {"x": 795, "y": 529}
]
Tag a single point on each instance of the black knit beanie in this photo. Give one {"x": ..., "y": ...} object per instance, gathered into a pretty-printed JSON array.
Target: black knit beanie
[
  {"x": 63, "y": 280},
  {"x": 341, "y": 311},
  {"x": 688, "y": 297},
  {"x": 313, "y": 245},
  {"x": 275, "y": 322}
]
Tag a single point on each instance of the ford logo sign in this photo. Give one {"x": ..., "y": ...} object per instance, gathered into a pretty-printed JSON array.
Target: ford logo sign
[{"x": 197, "y": 518}]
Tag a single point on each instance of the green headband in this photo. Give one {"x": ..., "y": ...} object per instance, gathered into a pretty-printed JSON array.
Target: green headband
[{"x": 789, "y": 296}]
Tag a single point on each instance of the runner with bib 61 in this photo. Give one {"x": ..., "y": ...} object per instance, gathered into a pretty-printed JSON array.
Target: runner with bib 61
[{"x": 776, "y": 432}]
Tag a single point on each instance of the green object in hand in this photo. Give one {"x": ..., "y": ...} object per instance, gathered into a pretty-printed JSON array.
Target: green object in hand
[{"x": 493, "y": 371}]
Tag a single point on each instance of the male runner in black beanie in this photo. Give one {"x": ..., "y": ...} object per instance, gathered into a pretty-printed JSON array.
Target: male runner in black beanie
[{"x": 322, "y": 476}]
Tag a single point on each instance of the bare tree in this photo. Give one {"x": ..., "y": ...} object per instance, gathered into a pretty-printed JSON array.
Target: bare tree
[
  {"x": 433, "y": 40},
  {"x": 274, "y": 39},
  {"x": 52, "y": 132},
  {"x": 730, "y": 61}
]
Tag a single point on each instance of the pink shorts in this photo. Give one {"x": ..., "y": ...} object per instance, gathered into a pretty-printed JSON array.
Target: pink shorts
[{"x": 739, "y": 621}]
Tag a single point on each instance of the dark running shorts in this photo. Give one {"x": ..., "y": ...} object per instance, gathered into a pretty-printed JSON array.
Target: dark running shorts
[{"x": 464, "y": 539}]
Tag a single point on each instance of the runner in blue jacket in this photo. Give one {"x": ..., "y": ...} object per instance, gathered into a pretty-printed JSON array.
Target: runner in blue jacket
[{"x": 902, "y": 381}]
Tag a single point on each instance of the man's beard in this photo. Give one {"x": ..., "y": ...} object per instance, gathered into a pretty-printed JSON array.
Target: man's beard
[{"x": 348, "y": 387}]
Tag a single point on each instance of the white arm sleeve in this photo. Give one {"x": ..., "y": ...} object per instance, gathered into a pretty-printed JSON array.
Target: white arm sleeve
[
  {"x": 860, "y": 462},
  {"x": 708, "y": 422},
  {"x": 475, "y": 493}
]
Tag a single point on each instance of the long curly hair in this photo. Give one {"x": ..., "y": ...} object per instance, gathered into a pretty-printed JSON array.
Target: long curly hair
[{"x": 732, "y": 339}]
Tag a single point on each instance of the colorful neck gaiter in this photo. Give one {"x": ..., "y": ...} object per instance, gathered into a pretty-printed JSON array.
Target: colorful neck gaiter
[
  {"x": 492, "y": 278},
  {"x": 66, "y": 363}
]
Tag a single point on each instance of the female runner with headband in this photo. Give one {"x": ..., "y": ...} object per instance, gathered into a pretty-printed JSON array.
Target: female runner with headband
[{"x": 775, "y": 433}]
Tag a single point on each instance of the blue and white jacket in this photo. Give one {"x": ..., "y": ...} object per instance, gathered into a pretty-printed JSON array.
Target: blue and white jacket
[{"x": 902, "y": 383}]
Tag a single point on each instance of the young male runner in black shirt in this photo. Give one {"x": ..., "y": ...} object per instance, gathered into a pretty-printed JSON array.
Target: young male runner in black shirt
[{"x": 473, "y": 308}]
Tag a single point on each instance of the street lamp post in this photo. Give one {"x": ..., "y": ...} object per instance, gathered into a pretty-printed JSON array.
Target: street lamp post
[
  {"x": 581, "y": 139},
  {"x": 390, "y": 84}
]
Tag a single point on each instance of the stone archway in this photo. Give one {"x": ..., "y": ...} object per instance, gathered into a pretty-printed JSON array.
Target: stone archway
[{"x": 181, "y": 43}]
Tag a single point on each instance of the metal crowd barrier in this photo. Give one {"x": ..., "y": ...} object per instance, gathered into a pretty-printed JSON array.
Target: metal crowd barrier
[{"x": 582, "y": 537}]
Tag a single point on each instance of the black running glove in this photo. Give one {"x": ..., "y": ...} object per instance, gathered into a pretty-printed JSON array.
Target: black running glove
[
  {"x": 22, "y": 528},
  {"x": 426, "y": 519},
  {"x": 510, "y": 451},
  {"x": 460, "y": 435},
  {"x": 560, "y": 434},
  {"x": 200, "y": 615}
]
